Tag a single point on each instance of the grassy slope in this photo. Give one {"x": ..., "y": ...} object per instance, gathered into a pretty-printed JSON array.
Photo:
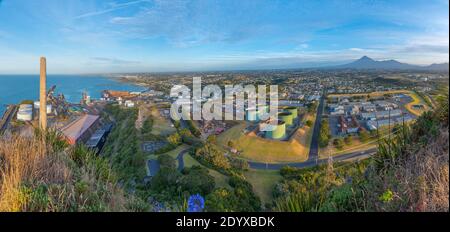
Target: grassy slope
[
  {"x": 263, "y": 182},
  {"x": 161, "y": 126},
  {"x": 38, "y": 178}
]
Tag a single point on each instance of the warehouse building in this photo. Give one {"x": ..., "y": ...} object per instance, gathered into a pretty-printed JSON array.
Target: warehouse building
[
  {"x": 81, "y": 129},
  {"x": 98, "y": 139}
]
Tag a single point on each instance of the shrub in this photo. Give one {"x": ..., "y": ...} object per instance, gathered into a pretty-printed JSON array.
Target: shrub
[
  {"x": 363, "y": 136},
  {"x": 348, "y": 140},
  {"x": 338, "y": 143}
]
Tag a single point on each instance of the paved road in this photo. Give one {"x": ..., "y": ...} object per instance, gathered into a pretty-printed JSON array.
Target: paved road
[
  {"x": 311, "y": 163},
  {"x": 181, "y": 159},
  {"x": 307, "y": 164},
  {"x": 314, "y": 147},
  {"x": 9, "y": 113},
  {"x": 153, "y": 166}
]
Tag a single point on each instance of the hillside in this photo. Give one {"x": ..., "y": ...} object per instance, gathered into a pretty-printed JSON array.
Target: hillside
[
  {"x": 369, "y": 63},
  {"x": 51, "y": 177}
]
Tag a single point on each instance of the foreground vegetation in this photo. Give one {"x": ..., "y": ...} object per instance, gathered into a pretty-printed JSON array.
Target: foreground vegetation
[
  {"x": 409, "y": 173},
  {"x": 44, "y": 174}
]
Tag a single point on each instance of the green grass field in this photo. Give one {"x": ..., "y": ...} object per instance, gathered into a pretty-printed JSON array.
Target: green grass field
[
  {"x": 161, "y": 126},
  {"x": 263, "y": 182}
]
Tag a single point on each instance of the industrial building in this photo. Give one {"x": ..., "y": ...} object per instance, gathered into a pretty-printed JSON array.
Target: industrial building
[
  {"x": 98, "y": 139},
  {"x": 80, "y": 130},
  {"x": 375, "y": 124},
  {"x": 381, "y": 114},
  {"x": 349, "y": 125}
]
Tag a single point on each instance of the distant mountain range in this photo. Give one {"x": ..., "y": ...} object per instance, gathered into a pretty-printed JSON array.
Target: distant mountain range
[{"x": 368, "y": 63}]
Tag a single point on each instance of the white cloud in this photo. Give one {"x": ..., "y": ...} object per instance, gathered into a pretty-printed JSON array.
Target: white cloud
[{"x": 113, "y": 7}]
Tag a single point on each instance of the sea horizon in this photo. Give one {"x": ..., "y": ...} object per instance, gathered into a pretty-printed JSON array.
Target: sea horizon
[{"x": 16, "y": 88}]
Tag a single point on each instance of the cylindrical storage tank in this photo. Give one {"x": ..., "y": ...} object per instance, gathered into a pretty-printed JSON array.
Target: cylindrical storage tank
[
  {"x": 26, "y": 106},
  {"x": 37, "y": 104},
  {"x": 293, "y": 111},
  {"x": 251, "y": 115},
  {"x": 278, "y": 132},
  {"x": 287, "y": 117},
  {"x": 49, "y": 109},
  {"x": 25, "y": 114},
  {"x": 261, "y": 110}
]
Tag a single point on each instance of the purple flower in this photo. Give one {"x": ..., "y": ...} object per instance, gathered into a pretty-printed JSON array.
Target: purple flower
[{"x": 196, "y": 203}]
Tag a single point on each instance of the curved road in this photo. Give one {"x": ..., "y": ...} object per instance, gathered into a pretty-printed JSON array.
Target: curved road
[
  {"x": 180, "y": 159},
  {"x": 309, "y": 163}
]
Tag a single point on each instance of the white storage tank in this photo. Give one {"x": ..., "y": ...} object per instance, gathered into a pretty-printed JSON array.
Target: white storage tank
[
  {"x": 25, "y": 113},
  {"x": 49, "y": 109},
  {"x": 26, "y": 106},
  {"x": 37, "y": 104}
]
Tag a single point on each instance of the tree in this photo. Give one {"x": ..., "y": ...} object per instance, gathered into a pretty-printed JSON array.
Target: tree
[
  {"x": 147, "y": 125},
  {"x": 239, "y": 164},
  {"x": 312, "y": 107},
  {"x": 324, "y": 134},
  {"x": 212, "y": 139},
  {"x": 247, "y": 200},
  {"x": 221, "y": 200},
  {"x": 231, "y": 143},
  {"x": 174, "y": 139},
  {"x": 176, "y": 124},
  {"x": 338, "y": 143},
  {"x": 194, "y": 130},
  {"x": 167, "y": 161},
  {"x": 363, "y": 135},
  {"x": 196, "y": 180},
  {"x": 213, "y": 156},
  {"x": 165, "y": 181},
  {"x": 348, "y": 140},
  {"x": 185, "y": 133}
]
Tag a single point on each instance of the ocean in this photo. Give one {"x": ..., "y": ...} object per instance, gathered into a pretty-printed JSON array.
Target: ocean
[{"x": 15, "y": 88}]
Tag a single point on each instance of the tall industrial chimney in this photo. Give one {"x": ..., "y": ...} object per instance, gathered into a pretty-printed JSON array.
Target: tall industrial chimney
[{"x": 43, "y": 95}]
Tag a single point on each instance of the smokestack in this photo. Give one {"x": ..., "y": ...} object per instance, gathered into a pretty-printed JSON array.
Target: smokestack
[{"x": 43, "y": 95}]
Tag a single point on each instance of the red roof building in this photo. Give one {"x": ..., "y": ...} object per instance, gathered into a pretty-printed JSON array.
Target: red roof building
[{"x": 80, "y": 130}]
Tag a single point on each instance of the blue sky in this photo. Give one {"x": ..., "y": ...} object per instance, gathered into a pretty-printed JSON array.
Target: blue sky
[{"x": 110, "y": 36}]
